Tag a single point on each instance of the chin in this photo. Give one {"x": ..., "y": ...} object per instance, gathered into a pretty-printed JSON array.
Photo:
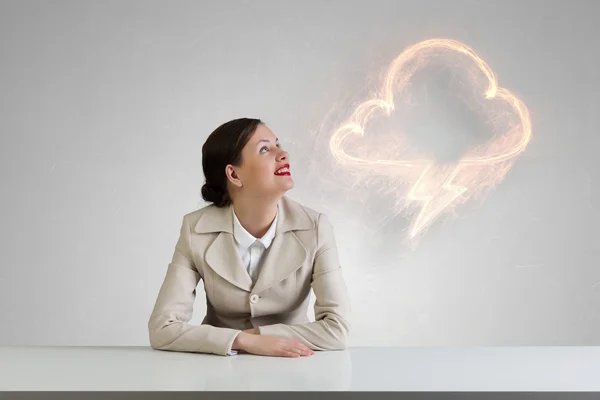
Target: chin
[
  {"x": 283, "y": 188},
  {"x": 290, "y": 184}
]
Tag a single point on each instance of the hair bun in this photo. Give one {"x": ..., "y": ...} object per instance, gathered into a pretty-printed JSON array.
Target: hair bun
[{"x": 213, "y": 194}]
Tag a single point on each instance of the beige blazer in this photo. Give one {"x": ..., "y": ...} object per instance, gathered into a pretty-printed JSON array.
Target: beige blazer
[{"x": 303, "y": 255}]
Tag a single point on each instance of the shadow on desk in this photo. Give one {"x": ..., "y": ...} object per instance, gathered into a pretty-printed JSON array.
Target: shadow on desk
[{"x": 328, "y": 370}]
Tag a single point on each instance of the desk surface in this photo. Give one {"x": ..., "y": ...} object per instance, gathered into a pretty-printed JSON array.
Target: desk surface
[{"x": 376, "y": 368}]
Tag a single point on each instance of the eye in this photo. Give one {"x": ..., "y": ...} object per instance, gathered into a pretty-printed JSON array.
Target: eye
[{"x": 267, "y": 148}]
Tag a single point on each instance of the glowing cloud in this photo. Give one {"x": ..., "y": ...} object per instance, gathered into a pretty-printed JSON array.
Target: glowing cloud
[{"x": 434, "y": 188}]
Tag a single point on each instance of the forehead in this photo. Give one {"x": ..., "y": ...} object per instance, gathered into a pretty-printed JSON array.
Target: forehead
[{"x": 262, "y": 132}]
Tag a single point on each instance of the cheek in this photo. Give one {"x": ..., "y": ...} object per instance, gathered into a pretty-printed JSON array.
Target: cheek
[
  {"x": 262, "y": 173},
  {"x": 266, "y": 172}
]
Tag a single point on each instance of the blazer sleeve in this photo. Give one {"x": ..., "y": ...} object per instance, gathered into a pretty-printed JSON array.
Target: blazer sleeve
[
  {"x": 331, "y": 328},
  {"x": 168, "y": 324}
]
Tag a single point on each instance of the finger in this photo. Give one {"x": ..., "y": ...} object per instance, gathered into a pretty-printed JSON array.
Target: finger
[
  {"x": 296, "y": 350},
  {"x": 303, "y": 347},
  {"x": 297, "y": 344},
  {"x": 288, "y": 353},
  {"x": 305, "y": 353}
]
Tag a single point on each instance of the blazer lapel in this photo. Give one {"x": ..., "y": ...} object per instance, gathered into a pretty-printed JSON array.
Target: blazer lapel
[
  {"x": 222, "y": 254},
  {"x": 286, "y": 253}
]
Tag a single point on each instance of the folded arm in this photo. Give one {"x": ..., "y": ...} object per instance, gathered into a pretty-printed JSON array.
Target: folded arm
[
  {"x": 331, "y": 328},
  {"x": 168, "y": 325}
]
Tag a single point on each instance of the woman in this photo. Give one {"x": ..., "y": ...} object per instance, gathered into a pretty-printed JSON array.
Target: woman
[{"x": 258, "y": 254}]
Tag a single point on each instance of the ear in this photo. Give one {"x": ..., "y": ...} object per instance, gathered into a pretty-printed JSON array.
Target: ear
[{"x": 232, "y": 176}]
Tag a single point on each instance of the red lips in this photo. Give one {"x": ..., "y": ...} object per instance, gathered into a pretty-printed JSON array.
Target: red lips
[{"x": 286, "y": 173}]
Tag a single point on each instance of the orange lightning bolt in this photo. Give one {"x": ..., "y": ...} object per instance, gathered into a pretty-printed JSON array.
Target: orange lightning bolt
[{"x": 436, "y": 188}]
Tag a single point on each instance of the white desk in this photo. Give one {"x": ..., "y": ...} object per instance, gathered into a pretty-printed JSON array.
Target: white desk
[{"x": 396, "y": 369}]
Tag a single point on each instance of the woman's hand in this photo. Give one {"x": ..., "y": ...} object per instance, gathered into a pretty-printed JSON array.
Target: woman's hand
[{"x": 265, "y": 345}]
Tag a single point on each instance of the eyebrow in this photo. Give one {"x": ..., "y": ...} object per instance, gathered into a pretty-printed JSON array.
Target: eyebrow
[{"x": 268, "y": 141}]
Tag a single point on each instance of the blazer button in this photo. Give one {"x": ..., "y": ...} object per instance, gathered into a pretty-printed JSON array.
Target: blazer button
[{"x": 254, "y": 299}]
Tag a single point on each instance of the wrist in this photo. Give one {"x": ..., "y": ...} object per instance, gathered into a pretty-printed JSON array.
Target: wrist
[{"x": 240, "y": 340}]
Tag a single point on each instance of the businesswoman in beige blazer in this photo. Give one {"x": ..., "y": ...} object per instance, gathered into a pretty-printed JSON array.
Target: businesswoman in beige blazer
[{"x": 258, "y": 254}]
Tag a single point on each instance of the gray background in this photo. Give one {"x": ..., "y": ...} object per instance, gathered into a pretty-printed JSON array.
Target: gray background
[{"x": 104, "y": 107}]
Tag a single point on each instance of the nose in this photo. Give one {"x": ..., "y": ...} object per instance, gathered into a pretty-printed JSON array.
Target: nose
[{"x": 283, "y": 155}]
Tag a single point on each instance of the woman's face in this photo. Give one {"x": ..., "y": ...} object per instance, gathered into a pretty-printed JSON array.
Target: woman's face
[{"x": 265, "y": 167}]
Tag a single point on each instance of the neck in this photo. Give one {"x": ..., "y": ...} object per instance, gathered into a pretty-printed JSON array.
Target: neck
[{"x": 255, "y": 215}]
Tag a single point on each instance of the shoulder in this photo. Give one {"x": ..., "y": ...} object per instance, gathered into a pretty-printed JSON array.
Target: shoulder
[
  {"x": 191, "y": 218},
  {"x": 318, "y": 230},
  {"x": 301, "y": 208},
  {"x": 313, "y": 217}
]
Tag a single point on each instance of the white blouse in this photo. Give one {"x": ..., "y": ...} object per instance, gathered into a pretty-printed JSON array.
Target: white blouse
[{"x": 251, "y": 251}]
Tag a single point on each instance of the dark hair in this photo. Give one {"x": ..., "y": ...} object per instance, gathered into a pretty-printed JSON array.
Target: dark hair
[{"x": 222, "y": 147}]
